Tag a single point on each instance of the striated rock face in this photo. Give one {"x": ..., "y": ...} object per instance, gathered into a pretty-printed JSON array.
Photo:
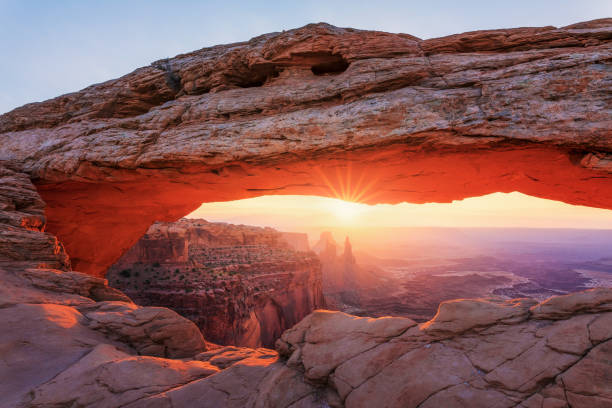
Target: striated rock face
[
  {"x": 298, "y": 112},
  {"x": 23, "y": 242},
  {"x": 241, "y": 285}
]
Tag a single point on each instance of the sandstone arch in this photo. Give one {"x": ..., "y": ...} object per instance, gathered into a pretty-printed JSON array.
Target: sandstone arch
[
  {"x": 298, "y": 112},
  {"x": 307, "y": 110}
]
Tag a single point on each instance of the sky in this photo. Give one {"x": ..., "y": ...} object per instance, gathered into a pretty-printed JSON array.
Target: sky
[
  {"x": 53, "y": 47},
  {"x": 505, "y": 210}
]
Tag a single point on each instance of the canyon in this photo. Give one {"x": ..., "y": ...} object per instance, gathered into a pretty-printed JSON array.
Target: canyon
[
  {"x": 241, "y": 285},
  {"x": 408, "y": 272},
  {"x": 301, "y": 112}
]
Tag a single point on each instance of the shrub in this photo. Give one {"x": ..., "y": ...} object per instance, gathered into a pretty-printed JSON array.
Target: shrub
[
  {"x": 156, "y": 264},
  {"x": 126, "y": 273}
]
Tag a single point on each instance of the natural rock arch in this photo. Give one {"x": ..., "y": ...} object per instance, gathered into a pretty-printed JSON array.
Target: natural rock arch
[{"x": 322, "y": 110}]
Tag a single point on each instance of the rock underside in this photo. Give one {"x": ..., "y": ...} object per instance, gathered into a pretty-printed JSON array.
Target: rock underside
[{"x": 525, "y": 109}]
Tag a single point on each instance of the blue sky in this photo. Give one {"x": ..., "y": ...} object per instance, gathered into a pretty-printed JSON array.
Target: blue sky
[{"x": 52, "y": 47}]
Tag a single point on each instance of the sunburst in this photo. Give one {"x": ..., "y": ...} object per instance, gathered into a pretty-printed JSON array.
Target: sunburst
[{"x": 342, "y": 186}]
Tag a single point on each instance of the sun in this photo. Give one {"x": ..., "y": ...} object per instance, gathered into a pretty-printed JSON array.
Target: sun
[{"x": 345, "y": 210}]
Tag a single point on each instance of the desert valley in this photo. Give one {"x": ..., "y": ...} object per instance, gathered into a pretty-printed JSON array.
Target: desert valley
[{"x": 245, "y": 285}]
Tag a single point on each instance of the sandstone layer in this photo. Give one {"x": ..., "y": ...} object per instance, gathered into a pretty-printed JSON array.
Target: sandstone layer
[
  {"x": 241, "y": 285},
  {"x": 361, "y": 115}
]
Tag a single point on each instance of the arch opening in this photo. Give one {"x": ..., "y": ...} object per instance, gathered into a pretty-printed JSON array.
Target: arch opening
[{"x": 245, "y": 271}]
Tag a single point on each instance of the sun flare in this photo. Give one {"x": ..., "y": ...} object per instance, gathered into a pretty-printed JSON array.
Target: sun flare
[{"x": 345, "y": 210}]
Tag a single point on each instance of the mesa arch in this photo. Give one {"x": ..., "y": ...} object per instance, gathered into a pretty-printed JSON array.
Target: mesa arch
[{"x": 306, "y": 110}]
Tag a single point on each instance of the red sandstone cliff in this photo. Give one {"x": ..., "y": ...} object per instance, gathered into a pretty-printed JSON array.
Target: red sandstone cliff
[{"x": 241, "y": 285}]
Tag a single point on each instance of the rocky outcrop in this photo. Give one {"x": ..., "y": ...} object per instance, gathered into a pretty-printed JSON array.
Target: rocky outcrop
[
  {"x": 297, "y": 240},
  {"x": 473, "y": 353},
  {"x": 241, "y": 285},
  {"x": 23, "y": 242},
  {"x": 306, "y": 110}
]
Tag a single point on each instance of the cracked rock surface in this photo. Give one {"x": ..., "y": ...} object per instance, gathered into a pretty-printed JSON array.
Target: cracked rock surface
[{"x": 497, "y": 362}]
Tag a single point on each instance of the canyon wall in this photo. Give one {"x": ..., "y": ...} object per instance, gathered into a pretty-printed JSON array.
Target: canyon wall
[
  {"x": 241, "y": 285},
  {"x": 71, "y": 340}
]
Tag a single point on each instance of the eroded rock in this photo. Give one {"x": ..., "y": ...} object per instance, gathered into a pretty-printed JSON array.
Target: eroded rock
[
  {"x": 596, "y": 299},
  {"x": 241, "y": 285},
  {"x": 499, "y": 355},
  {"x": 107, "y": 377},
  {"x": 152, "y": 331}
]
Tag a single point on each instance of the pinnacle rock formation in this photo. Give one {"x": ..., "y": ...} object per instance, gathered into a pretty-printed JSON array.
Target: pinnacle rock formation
[{"x": 83, "y": 176}]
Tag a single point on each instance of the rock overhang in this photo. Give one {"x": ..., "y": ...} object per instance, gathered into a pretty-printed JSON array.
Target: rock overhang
[{"x": 523, "y": 109}]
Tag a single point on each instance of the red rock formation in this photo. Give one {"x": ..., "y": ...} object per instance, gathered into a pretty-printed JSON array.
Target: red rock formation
[
  {"x": 506, "y": 354},
  {"x": 241, "y": 285},
  {"x": 343, "y": 279},
  {"x": 522, "y": 109},
  {"x": 297, "y": 240}
]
